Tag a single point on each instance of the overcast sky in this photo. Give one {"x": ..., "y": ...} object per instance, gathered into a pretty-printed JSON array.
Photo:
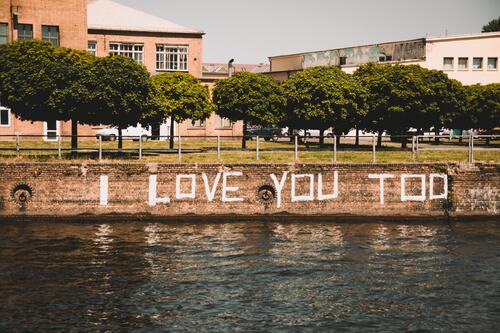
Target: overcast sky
[{"x": 250, "y": 31}]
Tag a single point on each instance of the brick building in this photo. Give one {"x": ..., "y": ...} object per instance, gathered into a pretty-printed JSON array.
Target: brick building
[{"x": 105, "y": 27}]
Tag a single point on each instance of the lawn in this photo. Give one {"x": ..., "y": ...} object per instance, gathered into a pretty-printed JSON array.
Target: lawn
[{"x": 196, "y": 150}]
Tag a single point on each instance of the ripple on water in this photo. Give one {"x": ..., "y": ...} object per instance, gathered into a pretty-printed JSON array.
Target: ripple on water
[{"x": 253, "y": 276}]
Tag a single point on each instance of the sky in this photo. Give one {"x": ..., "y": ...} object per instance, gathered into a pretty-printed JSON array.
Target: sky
[{"x": 251, "y": 31}]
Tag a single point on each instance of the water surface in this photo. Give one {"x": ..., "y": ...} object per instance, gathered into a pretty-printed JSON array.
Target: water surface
[{"x": 249, "y": 277}]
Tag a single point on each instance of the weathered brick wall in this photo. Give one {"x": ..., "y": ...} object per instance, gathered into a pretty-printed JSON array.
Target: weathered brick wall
[{"x": 342, "y": 189}]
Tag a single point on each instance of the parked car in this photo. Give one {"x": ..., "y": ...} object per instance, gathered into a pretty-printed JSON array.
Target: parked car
[
  {"x": 136, "y": 132},
  {"x": 267, "y": 132}
]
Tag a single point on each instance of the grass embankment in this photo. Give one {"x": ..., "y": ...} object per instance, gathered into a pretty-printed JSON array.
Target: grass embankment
[{"x": 204, "y": 151}]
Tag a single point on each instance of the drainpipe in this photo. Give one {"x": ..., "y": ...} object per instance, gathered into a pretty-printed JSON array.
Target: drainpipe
[{"x": 230, "y": 68}]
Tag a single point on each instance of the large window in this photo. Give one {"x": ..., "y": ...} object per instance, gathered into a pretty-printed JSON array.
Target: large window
[
  {"x": 171, "y": 57},
  {"x": 4, "y": 117},
  {"x": 133, "y": 51},
  {"x": 477, "y": 63},
  {"x": 24, "y": 32},
  {"x": 448, "y": 63},
  {"x": 4, "y": 33},
  {"x": 492, "y": 64},
  {"x": 463, "y": 64},
  {"x": 50, "y": 33},
  {"x": 51, "y": 129},
  {"x": 92, "y": 47}
]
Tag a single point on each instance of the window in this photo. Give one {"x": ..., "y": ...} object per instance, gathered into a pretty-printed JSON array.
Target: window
[
  {"x": 224, "y": 122},
  {"x": 4, "y": 33},
  {"x": 448, "y": 63},
  {"x": 463, "y": 63},
  {"x": 171, "y": 57},
  {"x": 198, "y": 123},
  {"x": 130, "y": 50},
  {"x": 92, "y": 48},
  {"x": 4, "y": 117},
  {"x": 343, "y": 61},
  {"x": 384, "y": 58},
  {"x": 24, "y": 32},
  {"x": 50, "y": 33},
  {"x": 51, "y": 129},
  {"x": 477, "y": 63},
  {"x": 492, "y": 63}
]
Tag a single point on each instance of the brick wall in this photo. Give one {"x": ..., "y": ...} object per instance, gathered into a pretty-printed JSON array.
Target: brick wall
[{"x": 177, "y": 189}]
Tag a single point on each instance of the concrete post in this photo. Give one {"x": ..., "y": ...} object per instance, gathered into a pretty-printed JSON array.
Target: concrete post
[
  {"x": 374, "y": 147},
  {"x": 59, "y": 146},
  {"x": 296, "y": 148},
  {"x": 257, "y": 149},
  {"x": 334, "y": 149},
  {"x": 179, "y": 148},
  {"x": 218, "y": 147},
  {"x": 140, "y": 147},
  {"x": 100, "y": 147},
  {"x": 413, "y": 148},
  {"x": 18, "y": 144},
  {"x": 416, "y": 148}
]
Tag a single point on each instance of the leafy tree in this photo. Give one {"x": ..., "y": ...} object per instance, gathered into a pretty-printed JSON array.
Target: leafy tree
[
  {"x": 121, "y": 93},
  {"x": 492, "y": 26},
  {"x": 444, "y": 101},
  {"x": 484, "y": 106},
  {"x": 250, "y": 97},
  {"x": 395, "y": 99},
  {"x": 179, "y": 96},
  {"x": 42, "y": 83},
  {"x": 323, "y": 97}
]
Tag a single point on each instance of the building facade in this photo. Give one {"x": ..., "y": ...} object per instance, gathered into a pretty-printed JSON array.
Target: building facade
[
  {"x": 104, "y": 27},
  {"x": 471, "y": 58}
]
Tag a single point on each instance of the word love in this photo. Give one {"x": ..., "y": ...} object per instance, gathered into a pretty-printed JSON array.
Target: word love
[{"x": 210, "y": 188}]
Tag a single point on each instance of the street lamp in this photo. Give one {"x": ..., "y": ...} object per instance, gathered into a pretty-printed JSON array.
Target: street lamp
[{"x": 230, "y": 68}]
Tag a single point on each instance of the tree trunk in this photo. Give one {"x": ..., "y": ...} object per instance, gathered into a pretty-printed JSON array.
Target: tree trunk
[
  {"x": 460, "y": 139},
  {"x": 172, "y": 132},
  {"x": 436, "y": 133},
  {"x": 338, "y": 140},
  {"x": 74, "y": 136},
  {"x": 379, "y": 139},
  {"x": 244, "y": 139},
  {"x": 356, "y": 143},
  {"x": 321, "y": 138},
  {"x": 404, "y": 142},
  {"x": 120, "y": 139}
]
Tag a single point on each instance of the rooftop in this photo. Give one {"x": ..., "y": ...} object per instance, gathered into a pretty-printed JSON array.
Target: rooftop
[
  {"x": 220, "y": 68},
  {"x": 109, "y": 15}
]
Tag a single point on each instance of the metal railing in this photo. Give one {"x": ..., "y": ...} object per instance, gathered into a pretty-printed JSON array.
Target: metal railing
[{"x": 416, "y": 145}]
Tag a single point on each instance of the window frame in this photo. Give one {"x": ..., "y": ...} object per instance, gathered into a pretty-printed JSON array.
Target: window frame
[
  {"x": 481, "y": 67},
  {"x": 24, "y": 25},
  {"x": 125, "y": 53},
  {"x": 221, "y": 121},
  {"x": 92, "y": 51},
  {"x": 466, "y": 68},
  {"x": 9, "y": 117},
  {"x": 488, "y": 64},
  {"x": 50, "y": 38},
  {"x": 165, "y": 57},
  {"x": 452, "y": 63},
  {"x": 6, "y": 33},
  {"x": 56, "y": 132},
  {"x": 198, "y": 124}
]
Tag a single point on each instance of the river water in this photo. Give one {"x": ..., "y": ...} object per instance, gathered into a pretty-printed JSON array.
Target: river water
[{"x": 249, "y": 277}]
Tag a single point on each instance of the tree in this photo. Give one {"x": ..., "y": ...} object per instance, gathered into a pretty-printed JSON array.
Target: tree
[
  {"x": 395, "y": 98},
  {"x": 121, "y": 93},
  {"x": 444, "y": 101},
  {"x": 492, "y": 26},
  {"x": 250, "y": 97},
  {"x": 179, "y": 96},
  {"x": 323, "y": 97},
  {"x": 484, "y": 106},
  {"x": 42, "y": 83}
]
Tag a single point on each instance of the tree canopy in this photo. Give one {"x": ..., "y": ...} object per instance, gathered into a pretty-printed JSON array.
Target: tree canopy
[
  {"x": 484, "y": 106},
  {"x": 121, "y": 92},
  {"x": 323, "y": 97},
  {"x": 40, "y": 82},
  {"x": 493, "y": 25},
  {"x": 179, "y": 96},
  {"x": 250, "y": 97}
]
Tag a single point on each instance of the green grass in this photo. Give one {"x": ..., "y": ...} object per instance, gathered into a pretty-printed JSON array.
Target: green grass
[{"x": 308, "y": 152}]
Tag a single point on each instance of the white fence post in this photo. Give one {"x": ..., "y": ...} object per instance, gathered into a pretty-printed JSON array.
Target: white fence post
[
  {"x": 100, "y": 147},
  {"x": 218, "y": 147},
  {"x": 18, "y": 144},
  {"x": 296, "y": 148},
  {"x": 334, "y": 149},
  {"x": 140, "y": 147},
  {"x": 59, "y": 146},
  {"x": 374, "y": 142},
  {"x": 257, "y": 149},
  {"x": 179, "y": 148}
]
